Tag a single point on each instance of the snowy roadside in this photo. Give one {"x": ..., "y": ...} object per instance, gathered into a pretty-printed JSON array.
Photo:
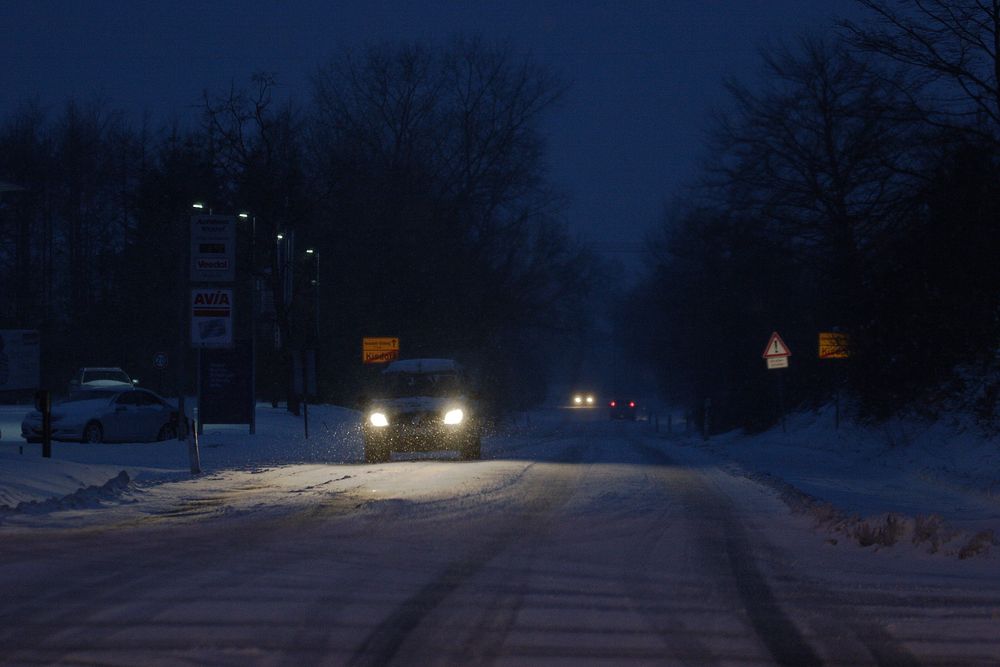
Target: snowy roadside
[
  {"x": 935, "y": 484},
  {"x": 78, "y": 473}
]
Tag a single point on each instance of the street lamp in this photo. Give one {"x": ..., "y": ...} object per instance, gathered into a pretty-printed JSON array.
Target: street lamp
[
  {"x": 315, "y": 282},
  {"x": 253, "y": 318},
  {"x": 253, "y": 239}
]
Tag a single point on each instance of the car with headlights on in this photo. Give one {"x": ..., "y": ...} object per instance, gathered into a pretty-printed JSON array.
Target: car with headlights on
[
  {"x": 106, "y": 414},
  {"x": 583, "y": 399},
  {"x": 421, "y": 405}
]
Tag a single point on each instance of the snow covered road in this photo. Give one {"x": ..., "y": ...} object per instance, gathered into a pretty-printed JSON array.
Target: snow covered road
[{"x": 576, "y": 542}]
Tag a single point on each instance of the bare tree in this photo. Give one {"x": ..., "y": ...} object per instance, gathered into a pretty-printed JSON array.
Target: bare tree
[
  {"x": 953, "y": 44},
  {"x": 258, "y": 147},
  {"x": 432, "y": 161},
  {"x": 817, "y": 155}
]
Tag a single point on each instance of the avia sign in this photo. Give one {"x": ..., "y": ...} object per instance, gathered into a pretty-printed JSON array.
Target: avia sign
[
  {"x": 211, "y": 317},
  {"x": 776, "y": 353}
]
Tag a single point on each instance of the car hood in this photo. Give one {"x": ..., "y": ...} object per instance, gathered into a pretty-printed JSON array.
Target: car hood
[{"x": 419, "y": 403}]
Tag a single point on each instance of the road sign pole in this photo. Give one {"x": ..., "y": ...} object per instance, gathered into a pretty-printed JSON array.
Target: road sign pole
[
  {"x": 781, "y": 400},
  {"x": 200, "y": 428},
  {"x": 184, "y": 333},
  {"x": 305, "y": 393}
]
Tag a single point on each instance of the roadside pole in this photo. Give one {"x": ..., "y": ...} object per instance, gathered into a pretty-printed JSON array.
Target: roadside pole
[
  {"x": 835, "y": 345},
  {"x": 776, "y": 354},
  {"x": 781, "y": 400},
  {"x": 305, "y": 392},
  {"x": 194, "y": 454},
  {"x": 184, "y": 333},
  {"x": 43, "y": 403}
]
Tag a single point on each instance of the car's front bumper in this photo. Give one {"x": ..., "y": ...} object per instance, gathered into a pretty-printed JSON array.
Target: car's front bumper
[
  {"x": 431, "y": 437},
  {"x": 32, "y": 431}
]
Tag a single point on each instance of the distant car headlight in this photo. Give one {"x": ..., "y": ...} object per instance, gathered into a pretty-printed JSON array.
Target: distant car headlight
[
  {"x": 578, "y": 399},
  {"x": 378, "y": 419},
  {"x": 590, "y": 400},
  {"x": 454, "y": 416}
]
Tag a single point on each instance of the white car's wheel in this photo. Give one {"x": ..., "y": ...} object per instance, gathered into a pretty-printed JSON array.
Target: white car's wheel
[{"x": 93, "y": 433}]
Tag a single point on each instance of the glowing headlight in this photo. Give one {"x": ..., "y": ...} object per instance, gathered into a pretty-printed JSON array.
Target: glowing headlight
[
  {"x": 378, "y": 419},
  {"x": 578, "y": 399},
  {"x": 590, "y": 400},
  {"x": 454, "y": 416}
]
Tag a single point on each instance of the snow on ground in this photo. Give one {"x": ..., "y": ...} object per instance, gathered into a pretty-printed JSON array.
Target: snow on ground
[
  {"x": 944, "y": 475},
  {"x": 914, "y": 470},
  {"x": 280, "y": 439}
]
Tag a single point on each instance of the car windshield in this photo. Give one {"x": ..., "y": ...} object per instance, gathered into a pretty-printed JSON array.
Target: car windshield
[
  {"x": 105, "y": 374},
  {"x": 402, "y": 385},
  {"x": 88, "y": 395}
]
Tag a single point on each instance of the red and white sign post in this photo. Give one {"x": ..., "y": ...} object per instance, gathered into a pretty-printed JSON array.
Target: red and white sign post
[{"x": 776, "y": 355}]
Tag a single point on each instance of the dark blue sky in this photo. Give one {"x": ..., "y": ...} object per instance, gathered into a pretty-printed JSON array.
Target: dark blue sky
[{"x": 644, "y": 75}]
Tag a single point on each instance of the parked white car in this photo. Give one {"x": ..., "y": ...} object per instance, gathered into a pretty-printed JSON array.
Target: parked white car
[{"x": 107, "y": 414}]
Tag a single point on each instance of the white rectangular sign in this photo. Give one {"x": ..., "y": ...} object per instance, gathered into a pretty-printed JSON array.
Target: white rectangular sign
[
  {"x": 213, "y": 249},
  {"x": 211, "y": 317},
  {"x": 777, "y": 362}
]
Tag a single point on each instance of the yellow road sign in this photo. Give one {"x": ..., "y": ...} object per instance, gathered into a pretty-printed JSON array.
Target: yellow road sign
[
  {"x": 833, "y": 345},
  {"x": 379, "y": 350}
]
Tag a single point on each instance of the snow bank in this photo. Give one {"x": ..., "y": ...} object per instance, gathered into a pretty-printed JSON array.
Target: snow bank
[
  {"x": 934, "y": 484},
  {"x": 25, "y": 477}
]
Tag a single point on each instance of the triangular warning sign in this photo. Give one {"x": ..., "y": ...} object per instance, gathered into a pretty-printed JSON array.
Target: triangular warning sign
[{"x": 776, "y": 347}]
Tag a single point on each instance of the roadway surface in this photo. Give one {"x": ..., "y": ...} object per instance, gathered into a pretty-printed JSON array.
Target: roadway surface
[{"x": 578, "y": 542}]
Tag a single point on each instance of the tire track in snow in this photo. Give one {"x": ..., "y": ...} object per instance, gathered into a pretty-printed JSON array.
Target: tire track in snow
[
  {"x": 773, "y": 627},
  {"x": 384, "y": 642},
  {"x": 836, "y": 618}
]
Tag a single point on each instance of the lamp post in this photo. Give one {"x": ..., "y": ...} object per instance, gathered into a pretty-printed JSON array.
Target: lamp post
[
  {"x": 254, "y": 287},
  {"x": 315, "y": 282}
]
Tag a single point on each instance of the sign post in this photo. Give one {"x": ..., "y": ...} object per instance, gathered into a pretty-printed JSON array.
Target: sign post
[
  {"x": 43, "y": 403},
  {"x": 835, "y": 345},
  {"x": 776, "y": 354},
  {"x": 225, "y": 384}
]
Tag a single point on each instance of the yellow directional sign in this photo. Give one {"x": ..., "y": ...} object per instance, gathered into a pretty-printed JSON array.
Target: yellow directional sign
[
  {"x": 833, "y": 345},
  {"x": 379, "y": 350}
]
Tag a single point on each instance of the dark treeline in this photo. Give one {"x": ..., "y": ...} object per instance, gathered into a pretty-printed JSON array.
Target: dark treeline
[
  {"x": 415, "y": 173},
  {"x": 854, "y": 188}
]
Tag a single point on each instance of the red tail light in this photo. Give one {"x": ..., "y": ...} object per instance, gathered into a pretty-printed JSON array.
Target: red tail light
[
  {"x": 631, "y": 404},
  {"x": 613, "y": 404}
]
